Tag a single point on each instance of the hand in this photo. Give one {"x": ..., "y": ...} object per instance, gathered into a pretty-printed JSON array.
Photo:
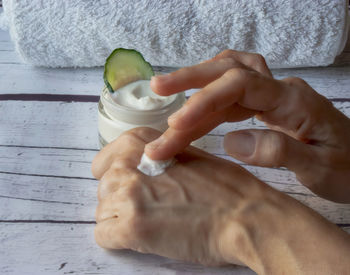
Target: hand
[
  {"x": 307, "y": 134},
  {"x": 208, "y": 210}
]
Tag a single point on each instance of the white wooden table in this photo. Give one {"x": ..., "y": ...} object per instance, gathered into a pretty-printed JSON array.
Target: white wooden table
[{"x": 48, "y": 137}]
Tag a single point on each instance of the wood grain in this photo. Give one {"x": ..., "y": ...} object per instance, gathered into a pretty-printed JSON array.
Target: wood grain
[
  {"x": 332, "y": 82},
  {"x": 74, "y": 125},
  {"x": 56, "y": 184},
  {"x": 70, "y": 249},
  {"x": 48, "y": 138}
]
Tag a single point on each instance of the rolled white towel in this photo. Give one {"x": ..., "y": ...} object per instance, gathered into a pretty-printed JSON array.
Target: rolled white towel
[{"x": 81, "y": 33}]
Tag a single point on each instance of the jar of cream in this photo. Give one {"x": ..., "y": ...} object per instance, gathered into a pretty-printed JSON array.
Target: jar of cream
[{"x": 132, "y": 106}]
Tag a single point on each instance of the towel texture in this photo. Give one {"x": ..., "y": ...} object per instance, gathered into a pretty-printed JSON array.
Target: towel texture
[{"x": 82, "y": 33}]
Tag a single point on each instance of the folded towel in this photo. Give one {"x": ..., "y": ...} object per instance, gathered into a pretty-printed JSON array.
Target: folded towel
[{"x": 81, "y": 33}]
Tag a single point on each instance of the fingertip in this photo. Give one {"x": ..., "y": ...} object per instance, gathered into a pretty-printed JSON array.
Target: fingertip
[
  {"x": 159, "y": 149},
  {"x": 159, "y": 84},
  {"x": 150, "y": 153},
  {"x": 155, "y": 153}
]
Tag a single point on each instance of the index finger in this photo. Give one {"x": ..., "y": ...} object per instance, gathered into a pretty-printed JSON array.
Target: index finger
[
  {"x": 200, "y": 75},
  {"x": 246, "y": 88},
  {"x": 196, "y": 76}
]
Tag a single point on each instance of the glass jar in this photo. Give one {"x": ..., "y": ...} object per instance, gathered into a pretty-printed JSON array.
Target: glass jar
[{"x": 114, "y": 119}]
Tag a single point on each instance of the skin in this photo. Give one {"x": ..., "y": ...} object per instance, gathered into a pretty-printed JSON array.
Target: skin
[
  {"x": 212, "y": 211},
  {"x": 209, "y": 211},
  {"x": 307, "y": 134}
]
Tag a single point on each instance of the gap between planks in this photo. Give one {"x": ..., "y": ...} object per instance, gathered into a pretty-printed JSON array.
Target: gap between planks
[
  {"x": 83, "y": 98},
  {"x": 93, "y": 222}
]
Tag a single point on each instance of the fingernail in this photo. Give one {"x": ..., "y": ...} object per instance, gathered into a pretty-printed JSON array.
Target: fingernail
[
  {"x": 241, "y": 143},
  {"x": 155, "y": 143}
]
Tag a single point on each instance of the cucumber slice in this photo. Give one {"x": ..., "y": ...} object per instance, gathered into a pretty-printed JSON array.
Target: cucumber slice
[{"x": 124, "y": 66}]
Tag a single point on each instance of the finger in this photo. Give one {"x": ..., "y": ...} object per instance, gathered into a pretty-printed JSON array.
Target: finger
[
  {"x": 174, "y": 141},
  {"x": 277, "y": 128},
  {"x": 196, "y": 76},
  {"x": 269, "y": 148},
  {"x": 249, "y": 89},
  {"x": 130, "y": 143},
  {"x": 251, "y": 60},
  {"x": 110, "y": 234}
]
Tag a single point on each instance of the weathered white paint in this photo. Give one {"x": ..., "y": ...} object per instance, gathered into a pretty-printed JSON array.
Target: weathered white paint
[
  {"x": 18, "y": 78},
  {"x": 49, "y": 184},
  {"x": 74, "y": 125},
  {"x": 70, "y": 248},
  {"x": 35, "y": 180}
]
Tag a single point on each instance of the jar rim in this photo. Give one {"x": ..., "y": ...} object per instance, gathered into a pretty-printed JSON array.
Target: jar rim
[
  {"x": 108, "y": 100},
  {"x": 135, "y": 116}
]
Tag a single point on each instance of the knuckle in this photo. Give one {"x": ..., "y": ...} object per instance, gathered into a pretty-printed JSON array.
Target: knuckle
[
  {"x": 104, "y": 186},
  {"x": 94, "y": 168},
  {"x": 112, "y": 179},
  {"x": 186, "y": 71},
  {"x": 259, "y": 58},
  {"x": 193, "y": 98},
  {"x": 272, "y": 150},
  {"x": 297, "y": 99},
  {"x": 141, "y": 134},
  {"x": 100, "y": 213},
  {"x": 229, "y": 62},
  {"x": 236, "y": 73},
  {"x": 227, "y": 53},
  {"x": 279, "y": 151},
  {"x": 122, "y": 162},
  {"x": 128, "y": 138},
  {"x": 295, "y": 81}
]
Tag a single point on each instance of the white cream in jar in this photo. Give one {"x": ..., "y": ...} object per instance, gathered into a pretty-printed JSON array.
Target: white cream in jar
[{"x": 132, "y": 106}]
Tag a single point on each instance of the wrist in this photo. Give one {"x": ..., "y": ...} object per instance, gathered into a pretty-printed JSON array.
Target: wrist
[{"x": 281, "y": 236}]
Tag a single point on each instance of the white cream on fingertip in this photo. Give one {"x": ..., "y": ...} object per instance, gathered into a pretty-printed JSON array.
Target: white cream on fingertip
[{"x": 152, "y": 167}]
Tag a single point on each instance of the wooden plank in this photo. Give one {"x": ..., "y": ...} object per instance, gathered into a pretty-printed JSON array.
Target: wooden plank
[
  {"x": 56, "y": 184},
  {"x": 49, "y": 124},
  {"x": 6, "y": 46},
  {"x": 53, "y": 162},
  {"x": 71, "y": 249},
  {"x": 74, "y": 125},
  {"x": 47, "y": 161},
  {"x": 9, "y": 57},
  {"x": 20, "y": 78},
  {"x": 5, "y": 36},
  {"x": 332, "y": 82},
  {"x": 46, "y": 198}
]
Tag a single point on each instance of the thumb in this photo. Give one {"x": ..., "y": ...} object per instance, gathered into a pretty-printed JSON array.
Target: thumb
[{"x": 269, "y": 148}]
